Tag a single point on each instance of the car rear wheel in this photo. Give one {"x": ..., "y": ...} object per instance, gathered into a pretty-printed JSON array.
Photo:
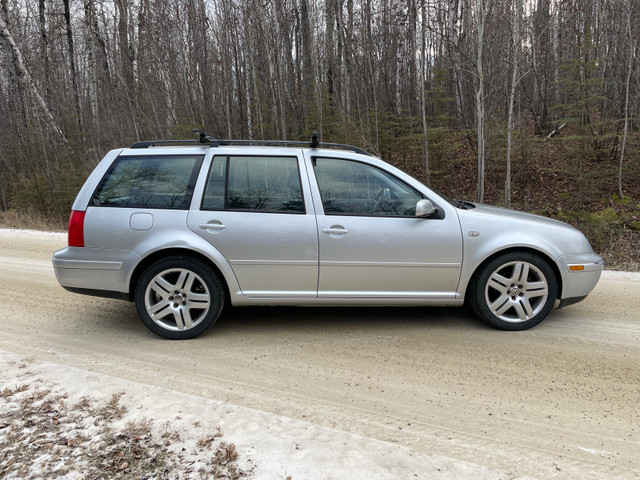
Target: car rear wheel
[
  {"x": 514, "y": 291},
  {"x": 179, "y": 297}
]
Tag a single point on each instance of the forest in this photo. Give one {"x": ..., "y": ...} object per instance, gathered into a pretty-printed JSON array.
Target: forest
[{"x": 530, "y": 104}]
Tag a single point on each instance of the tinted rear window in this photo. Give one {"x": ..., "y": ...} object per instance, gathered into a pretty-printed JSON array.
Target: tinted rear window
[
  {"x": 149, "y": 182},
  {"x": 254, "y": 184}
]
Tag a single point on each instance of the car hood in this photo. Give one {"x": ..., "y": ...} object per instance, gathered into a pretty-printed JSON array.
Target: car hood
[{"x": 508, "y": 214}]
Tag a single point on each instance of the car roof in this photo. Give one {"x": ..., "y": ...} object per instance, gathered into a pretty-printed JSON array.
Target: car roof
[{"x": 239, "y": 150}]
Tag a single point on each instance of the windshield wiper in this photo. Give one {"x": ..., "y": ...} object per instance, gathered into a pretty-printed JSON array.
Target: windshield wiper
[{"x": 464, "y": 205}]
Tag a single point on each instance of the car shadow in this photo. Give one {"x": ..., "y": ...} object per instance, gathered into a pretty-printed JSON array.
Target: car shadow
[
  {"x": 265, "y": 319},
  {"x": 119, "y": 319}
]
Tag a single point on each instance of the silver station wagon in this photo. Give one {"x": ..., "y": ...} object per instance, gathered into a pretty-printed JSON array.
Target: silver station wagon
[{"x": 183, "y": 228}]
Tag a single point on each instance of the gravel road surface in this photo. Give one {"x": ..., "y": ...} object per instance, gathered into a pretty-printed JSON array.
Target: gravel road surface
[{"x": 441, "y": 393}]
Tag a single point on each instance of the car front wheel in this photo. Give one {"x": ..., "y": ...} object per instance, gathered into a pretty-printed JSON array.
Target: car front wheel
[
  {"x": 179, "y": 297},
  {"x": 514, "y": 291}
]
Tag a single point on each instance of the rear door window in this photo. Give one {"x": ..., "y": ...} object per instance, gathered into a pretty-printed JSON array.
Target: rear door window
[
  {"x": 165, "y": 182},
  {"x": 254, "y": 184}
]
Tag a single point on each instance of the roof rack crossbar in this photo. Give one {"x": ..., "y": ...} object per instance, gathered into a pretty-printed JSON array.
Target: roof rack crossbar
[
  {"x": 214, "y": 141},
  {"x": 205, "y": 137}
]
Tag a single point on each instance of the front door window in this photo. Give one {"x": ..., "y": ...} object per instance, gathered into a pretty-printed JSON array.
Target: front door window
[{"x": 353, "y": 188}]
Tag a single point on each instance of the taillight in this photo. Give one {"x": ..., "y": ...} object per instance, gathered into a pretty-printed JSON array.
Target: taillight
[{"x": 76, "y": 229}]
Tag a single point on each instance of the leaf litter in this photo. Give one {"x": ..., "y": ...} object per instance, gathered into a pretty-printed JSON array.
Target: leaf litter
[{"x": 44, "y": 434}]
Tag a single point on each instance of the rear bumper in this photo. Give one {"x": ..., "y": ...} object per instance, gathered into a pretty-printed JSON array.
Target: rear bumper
[
  {"x": 86, "y": 270},
  {"x": 100, "y": 293}
]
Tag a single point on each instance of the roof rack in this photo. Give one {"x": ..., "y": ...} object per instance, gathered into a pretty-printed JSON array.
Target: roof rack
[
  {"x": 204, "y": 138},
  {"x": 157, "y": 143},
  {"x": 214, "y": 141}
]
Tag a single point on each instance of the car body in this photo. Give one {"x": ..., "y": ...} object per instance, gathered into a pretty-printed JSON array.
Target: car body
[{"x": 184, "y": 229}]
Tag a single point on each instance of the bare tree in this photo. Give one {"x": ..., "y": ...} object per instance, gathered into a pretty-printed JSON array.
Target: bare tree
[
  {"x": 308, "y": 84},
  {"x": 517, "y": 20},
  {"x": 92, "y": 78},
  {"x": 125, "y": 46},
  {"x": 632, "y": 54},
  {"x": 44, "y": 49},
  {"x": 423, "y": 86},
  {"x": 72, "y": 65},
  {"x": 482, "y": 7}
]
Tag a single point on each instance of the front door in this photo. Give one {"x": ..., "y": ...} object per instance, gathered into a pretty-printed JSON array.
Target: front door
[{"x": 371, "y": 243}]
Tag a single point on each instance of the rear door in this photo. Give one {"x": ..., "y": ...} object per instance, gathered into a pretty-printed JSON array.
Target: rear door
[{"x": 256, "y": 211}]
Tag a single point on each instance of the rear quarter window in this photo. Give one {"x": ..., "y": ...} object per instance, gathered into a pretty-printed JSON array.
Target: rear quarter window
[{"x": 149, "y": 182}]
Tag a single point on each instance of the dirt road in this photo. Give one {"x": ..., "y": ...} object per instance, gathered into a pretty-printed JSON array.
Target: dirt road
[{"x": 559, "y": 401}]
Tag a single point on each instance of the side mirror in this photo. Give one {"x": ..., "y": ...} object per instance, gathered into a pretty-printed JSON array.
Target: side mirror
[{"x": 425, "y": 208}]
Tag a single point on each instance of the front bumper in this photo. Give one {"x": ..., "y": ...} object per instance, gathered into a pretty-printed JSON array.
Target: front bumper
[{"x": 580, "y": 274}]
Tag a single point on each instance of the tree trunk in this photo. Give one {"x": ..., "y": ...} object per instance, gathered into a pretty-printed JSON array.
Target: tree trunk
[
  {"x": 541, "y": 23},
  {"x": 44, "y": 49},
  {"x": 91, "y": 63},
  {"x": 72, "y": 65},
  {"x": 632, "y": 48},
  {"x": 512, "y": 94},
  {"x": 423, "y": 86},
  {"x": 126, "y": 54},
  {"x": 307, "y": 65},
  {"x": 480, "y": 100}
]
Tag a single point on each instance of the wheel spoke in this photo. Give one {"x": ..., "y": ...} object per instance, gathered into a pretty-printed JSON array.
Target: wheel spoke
[
  {"x": 183, "y": 279},
  {"x": 535, "y": 289},
  {"x": 501, "y": 305},
  {"x": 528, "y": 308},
  {"x": 498, "y": 282},
  {"x": 161, "y": 286},
  {"x": 186, "y": 318},
  {"x": 497, "y": 286},
  {"x": 177, "y": 316},
  {"x": 158, "y": 307},
  {"x": 523, "y": 309},
  {"x": 188, "y": 284},
  {"x": 201, "y": 300},
  {"x": 520, "y": 271}
]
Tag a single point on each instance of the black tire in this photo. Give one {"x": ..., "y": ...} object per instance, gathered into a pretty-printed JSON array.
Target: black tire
[
  {"x": 179, "y": 297},
  {"x": 514, "y": 291}
]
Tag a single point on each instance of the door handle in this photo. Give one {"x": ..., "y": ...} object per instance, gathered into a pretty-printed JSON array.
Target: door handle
[
  {"x": 215, "y": 226},
  {"x": 335, "y": 230}
]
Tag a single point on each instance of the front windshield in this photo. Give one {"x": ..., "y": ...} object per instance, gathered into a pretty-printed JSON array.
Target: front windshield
[
  {"x": 462, "y": 204},
  {"x": 451, "y": 201}
]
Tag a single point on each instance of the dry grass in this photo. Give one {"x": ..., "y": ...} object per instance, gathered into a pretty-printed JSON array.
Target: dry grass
[
  {"x": 44, "y": 435},
  {"x": 623, "y": 251},
  {"x": 20, "y": 220}
]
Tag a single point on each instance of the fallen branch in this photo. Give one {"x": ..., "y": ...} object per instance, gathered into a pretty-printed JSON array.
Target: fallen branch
[{"x": 555, "y": 132}]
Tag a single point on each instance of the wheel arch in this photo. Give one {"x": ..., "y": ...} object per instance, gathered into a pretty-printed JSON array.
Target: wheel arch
[
  {"x": 172, "y": 252},
  {"x": 506, "y": 251}
]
